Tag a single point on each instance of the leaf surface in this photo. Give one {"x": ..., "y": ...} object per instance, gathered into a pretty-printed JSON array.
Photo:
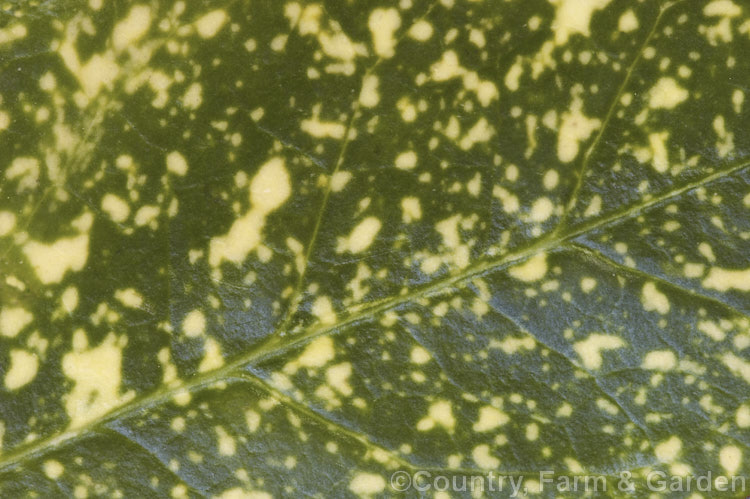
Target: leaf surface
[{"x": 263, "y": 249}]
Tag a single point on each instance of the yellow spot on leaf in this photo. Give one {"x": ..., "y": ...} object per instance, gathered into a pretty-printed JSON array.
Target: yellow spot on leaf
[
  {"x": 129, "y": 297},
  {"x": 531, "y": 270},
  {"x": 13, "y": 320},
  {"x": 659, "y": 360},
  {"x": 666, "y": 94},
  {"x": 367, "y": 484},
  {"x": 176, "y": 163},
  {"x": 574, "y": 17},
  {"x": 419, "y": 355},
  {"x": 209, "y": 24},
  {"x": 96, "y": 374},
  {"x": 383, "y": 24},
  {"x": 730, "y": 458},
  {"x": 653, "y": 300},
  {"x": 489, "y": 419},
  {"x": 483, "y": 458},
  {"x": 194, "y": 324},
  {"x": 727, "y": 279},
  {"x": 212, "y": 358},
  {"x": 440, "y": 413},
  {"x": 132, "y": 28},
  {"x": 53, "y": 469},
  {"x": 590, "y": 349},
  {"x": 668, "y": 450},
  {"x": 361, "y": 237},
  {"x": 22, "y": 370}
]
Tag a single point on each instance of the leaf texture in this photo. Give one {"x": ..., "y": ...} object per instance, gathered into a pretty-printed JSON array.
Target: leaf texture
[{"x": 257, "y": 249}]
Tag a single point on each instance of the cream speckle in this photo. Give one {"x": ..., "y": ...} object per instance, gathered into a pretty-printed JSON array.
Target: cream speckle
[
  {"x": 146, "y": 215},
  {"x": 447, "y": 67},
  {"x": 511, "y": 344},
  {"x": 4, "y": 120},
  {"x": 653, "y": 300},
  {"x": 52, "y": 261},
  {"x": 532, "y": 432},
  {"x": 737, "y": 365},
  {"x": 666, "y": 94},
  {"x": 730, "y": 458},
  {"x": 369, "y": 96},
  {"x": 421, "y": 31},
  {"x": 406, "y": 160},
  {"x": 588, "y": 284},
  {"x": 383, "y": 24},
  {"x": 628, "y": 22},
  {"x": 317, "y": 353},
  {"x": 509, "y": 201},
  {"x": 513, "y": 76},
  {"x": 338, "y": 377},
  {"x": 22, "y": 370},
  {"x": 541, "y": 210},
  {"x": 367, "y": 484},
  {"x": 132, "y": 28},
  {"x": 339, "y": 180},
  {"x": 531, "y": 270},
  {"x": 738, "y": 98},
  {"x": 322, "y": 129},
  {"x": 209, "y": 24},
  {"x": 96, "y": 374},
  {"x": 575, "y": 128},
  {"x": 53, "y": 469},
  {"x": 69, "y": 299},
  {"x": 419, "y": 355},
  {"x": 193, "y": 97},
  {"x": 707, "y": 252},
  {"x": 722, "y": 8},
  {"x": 659, "y": 152},
  {"x": 551, "y": 179},
  {"x": 694, "y": 270},
  {"x": 711, "y": 330},
  {"x": 271, "y": 186},
  {"x": 480, "y": 132},
  {"x": 227, "y": 444},
  {"x": 474, "y": 186},
  {"x": 322, "y": 308},
  {"x": 574, "y": 17},
  {"x": 7, "y": 222},
  {"x": 361, "y": 237},
  {"x": 726, "y": 279},
  {"x": 660, "y": 360},
  {"x": 743, "y": 416},
  {"x": 194, "y": 324},
  {"x": 13, "y": 320},
  {"x": 128, "y": 297},
  {"x": 117, "y": 209},
  {"x": 212, "y": 357},
  {"x": 564, "y": 411},
  {"x": 483, "y": 458},
  {"x": 176, "y": 163},
  {"x": 26, "y": 169},
  {"x": 668, "y": 450},
  {"x": 252, "y": 419},
  {"x": 411, "y": 209},
  {"x": 440, "y": 413},
  {"x": 590, "y": 349},
  {"x": 269, "y": 189},
  {"x": 489, "y": 419}
]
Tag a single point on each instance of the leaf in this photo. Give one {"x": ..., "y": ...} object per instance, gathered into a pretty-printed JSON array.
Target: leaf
[{"x": 254, "y": 249}]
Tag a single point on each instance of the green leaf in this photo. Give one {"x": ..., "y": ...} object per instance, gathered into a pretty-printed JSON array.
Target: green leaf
[{"x": 263, "y": 249}]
